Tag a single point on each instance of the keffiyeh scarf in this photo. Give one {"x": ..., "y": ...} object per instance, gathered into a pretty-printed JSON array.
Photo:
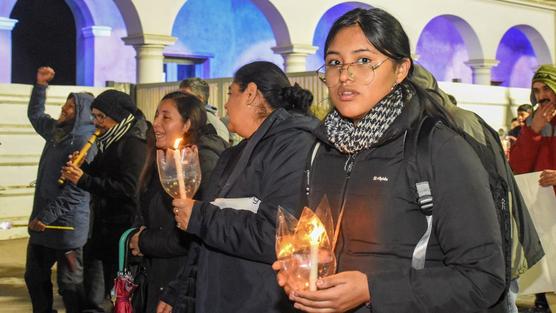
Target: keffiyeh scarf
[{"x": 350, "y": 137}]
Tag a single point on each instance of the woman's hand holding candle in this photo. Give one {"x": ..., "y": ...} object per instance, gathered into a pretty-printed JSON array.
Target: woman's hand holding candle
[
  {"x": 336, "y": 293},
  {"x": 182, "y": 212}
]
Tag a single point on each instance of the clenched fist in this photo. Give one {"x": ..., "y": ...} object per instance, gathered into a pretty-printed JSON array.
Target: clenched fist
[{"x": 44, "y": 75}]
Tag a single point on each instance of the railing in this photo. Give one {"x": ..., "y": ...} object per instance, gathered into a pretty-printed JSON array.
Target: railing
[{"x": 495, "y": 104}]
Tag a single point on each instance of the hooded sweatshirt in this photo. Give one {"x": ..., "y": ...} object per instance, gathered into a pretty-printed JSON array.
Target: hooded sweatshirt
[{"x": 65, "y": 205}]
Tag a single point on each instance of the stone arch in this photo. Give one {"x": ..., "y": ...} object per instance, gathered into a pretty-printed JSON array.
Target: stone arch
[
  {"x": 93, "y": 23},
  {"x": 323, "y": 26},
  {"x": 445, "y": 44},
  {"x": 240, "y": 32},
  {"x": 130, "y": 16},
  {"x": 520, "y": 51},
  {"x": 277, "y": 22}
]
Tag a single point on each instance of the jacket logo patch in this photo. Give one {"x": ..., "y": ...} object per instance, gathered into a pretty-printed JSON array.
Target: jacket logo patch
[{"x": 380, "y": 178}]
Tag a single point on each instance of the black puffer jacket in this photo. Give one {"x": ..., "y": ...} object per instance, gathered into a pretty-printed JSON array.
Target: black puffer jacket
[
  {"x": 163, "y": 245},
  {"x": 234, "y": 265},
  {"x": 464, "y": 269}
]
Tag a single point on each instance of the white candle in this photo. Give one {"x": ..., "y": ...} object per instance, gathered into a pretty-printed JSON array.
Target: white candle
[
  {"x": 313, "y": 274},
  {"x": 179, "y": 169}
]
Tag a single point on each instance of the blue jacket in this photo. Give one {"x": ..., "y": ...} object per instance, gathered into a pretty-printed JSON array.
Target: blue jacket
[{"x": 55, "y": 205}]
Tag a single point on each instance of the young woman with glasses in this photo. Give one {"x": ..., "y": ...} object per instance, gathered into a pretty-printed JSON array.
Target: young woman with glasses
[{"x": 361, "y": 167}]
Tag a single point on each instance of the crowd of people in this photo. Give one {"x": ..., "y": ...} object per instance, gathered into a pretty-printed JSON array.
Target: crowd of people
[{"x": 215, "y": 250}]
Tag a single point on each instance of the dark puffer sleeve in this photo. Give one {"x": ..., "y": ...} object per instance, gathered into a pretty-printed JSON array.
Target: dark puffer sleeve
[{"x": 252, "y": 235}]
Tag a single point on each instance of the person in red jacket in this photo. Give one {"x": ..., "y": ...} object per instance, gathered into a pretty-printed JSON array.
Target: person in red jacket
[{"x": 535, "y": 148}]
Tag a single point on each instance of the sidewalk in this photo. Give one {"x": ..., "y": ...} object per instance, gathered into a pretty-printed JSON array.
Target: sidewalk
[
  {"x": 15, "y": 299},
  {"x": 13, "y": 292}
]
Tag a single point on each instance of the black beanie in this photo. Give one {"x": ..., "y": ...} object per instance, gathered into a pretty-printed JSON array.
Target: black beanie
[{"x": 115, "y": 104}]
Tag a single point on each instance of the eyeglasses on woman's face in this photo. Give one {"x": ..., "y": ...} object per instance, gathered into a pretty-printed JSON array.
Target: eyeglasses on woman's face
[
  {"x": 362, "y": 70},
  {"x": 98, "y": 116}
]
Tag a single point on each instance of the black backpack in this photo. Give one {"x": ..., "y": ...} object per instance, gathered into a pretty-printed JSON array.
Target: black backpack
[{"x": 419, "y": 159}]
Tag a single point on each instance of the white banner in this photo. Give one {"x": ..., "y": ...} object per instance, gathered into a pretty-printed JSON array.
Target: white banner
[{"x": 541, "y": 202}]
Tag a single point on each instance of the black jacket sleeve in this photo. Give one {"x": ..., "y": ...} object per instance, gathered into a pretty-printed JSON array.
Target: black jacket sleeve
[
  {"x": 180, "y": 293},
  {"x": 164, "y": 243},
  {"x": 466, "y": 227},
  {"x": 42, "y": 122},
  {"x": 252, "y": 235},
  {"x": 207, "y": 160},
  {"x": 124, "y": 184}
]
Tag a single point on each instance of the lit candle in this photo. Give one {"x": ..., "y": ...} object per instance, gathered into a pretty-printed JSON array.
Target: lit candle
[
  {"x": 315, "y": 236},
  {"x": 179, "y": 169}
]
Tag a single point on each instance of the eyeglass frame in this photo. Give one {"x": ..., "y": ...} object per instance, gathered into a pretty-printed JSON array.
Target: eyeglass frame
[
  {"x": 99, "y": 117},
  {"x": 340, "y": 68}
]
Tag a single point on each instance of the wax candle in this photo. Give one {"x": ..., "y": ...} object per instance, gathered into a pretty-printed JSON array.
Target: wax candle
[
  {"x": 179, "y": 169},
  {"x": 313, "y": 274},
  {"x": 315, "y": 238}
]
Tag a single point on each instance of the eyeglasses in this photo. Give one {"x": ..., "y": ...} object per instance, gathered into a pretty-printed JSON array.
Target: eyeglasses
[
  {"x": 362, "y": 70},
  {"x": 98, "y": 117}
]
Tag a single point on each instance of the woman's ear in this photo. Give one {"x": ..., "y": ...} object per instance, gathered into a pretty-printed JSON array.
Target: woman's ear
[
  {"x": 402, "y": 70},
  {"x": 251, "y": 92},
  {"x": 186, "y": 126}
]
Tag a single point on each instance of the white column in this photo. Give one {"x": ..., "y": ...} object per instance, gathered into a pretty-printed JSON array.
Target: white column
[
  {"x": 90, "y": 50},
  {"x": 295, "y": 56},
  {"x": 150, "y": 59},
  {"x": 481, "y": 70},
  {"x": 6, "y": 26}
]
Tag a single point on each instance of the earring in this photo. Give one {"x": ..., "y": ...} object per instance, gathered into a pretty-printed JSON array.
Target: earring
[{"x": 394, "y": 85}]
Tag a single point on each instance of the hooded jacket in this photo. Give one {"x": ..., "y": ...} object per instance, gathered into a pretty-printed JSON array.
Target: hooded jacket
[
  {"x": 234, "y": 271},
  {"x": 382, "y": 223},
  {"x": 55, "y": 205}
]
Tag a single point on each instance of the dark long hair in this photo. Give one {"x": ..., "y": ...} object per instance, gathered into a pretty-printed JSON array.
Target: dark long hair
[
  {"x": 275, "y": 86},
  {"x": 190, "y": 108},
  {"x": 387, "y": 35},
  {"x": 382, "y": 30}
]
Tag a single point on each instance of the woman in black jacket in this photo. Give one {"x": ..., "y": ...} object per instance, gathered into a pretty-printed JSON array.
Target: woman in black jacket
[
  {"x": 361, "y": 166},
  {"x": 264, "y": 171},
  {"x": 164, "y": 246}
]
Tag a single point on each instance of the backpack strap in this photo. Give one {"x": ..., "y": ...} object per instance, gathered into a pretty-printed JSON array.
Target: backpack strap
[
  {"x": 308, "y": 166},
  {"x": 420, "y": 150}
]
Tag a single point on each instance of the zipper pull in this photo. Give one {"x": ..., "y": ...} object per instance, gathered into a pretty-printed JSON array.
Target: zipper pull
[{"x": 348, "y": 166}]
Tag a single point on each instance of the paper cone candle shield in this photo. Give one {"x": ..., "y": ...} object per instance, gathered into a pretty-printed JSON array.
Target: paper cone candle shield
[{"x": 305, "y": 246}]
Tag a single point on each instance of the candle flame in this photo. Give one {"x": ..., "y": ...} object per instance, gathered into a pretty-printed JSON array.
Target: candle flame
[
  {"x": 287, "y": 249},
  {"x": 317, "y": 230},
  {"x": 177, "y": 143}
]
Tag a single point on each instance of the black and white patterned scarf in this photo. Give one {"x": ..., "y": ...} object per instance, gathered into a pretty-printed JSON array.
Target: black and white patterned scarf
[
  {"x": 350, "y": 138},
  {"x": 115, "y": 133}
]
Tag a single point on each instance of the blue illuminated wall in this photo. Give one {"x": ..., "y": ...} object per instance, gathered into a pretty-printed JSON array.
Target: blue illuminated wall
[
  {"x": 517, "y": 60},
  {"x": 233, "y": 32},
  {"x": 442, "y": 51},
  {"x": 325, "y": 23}
]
